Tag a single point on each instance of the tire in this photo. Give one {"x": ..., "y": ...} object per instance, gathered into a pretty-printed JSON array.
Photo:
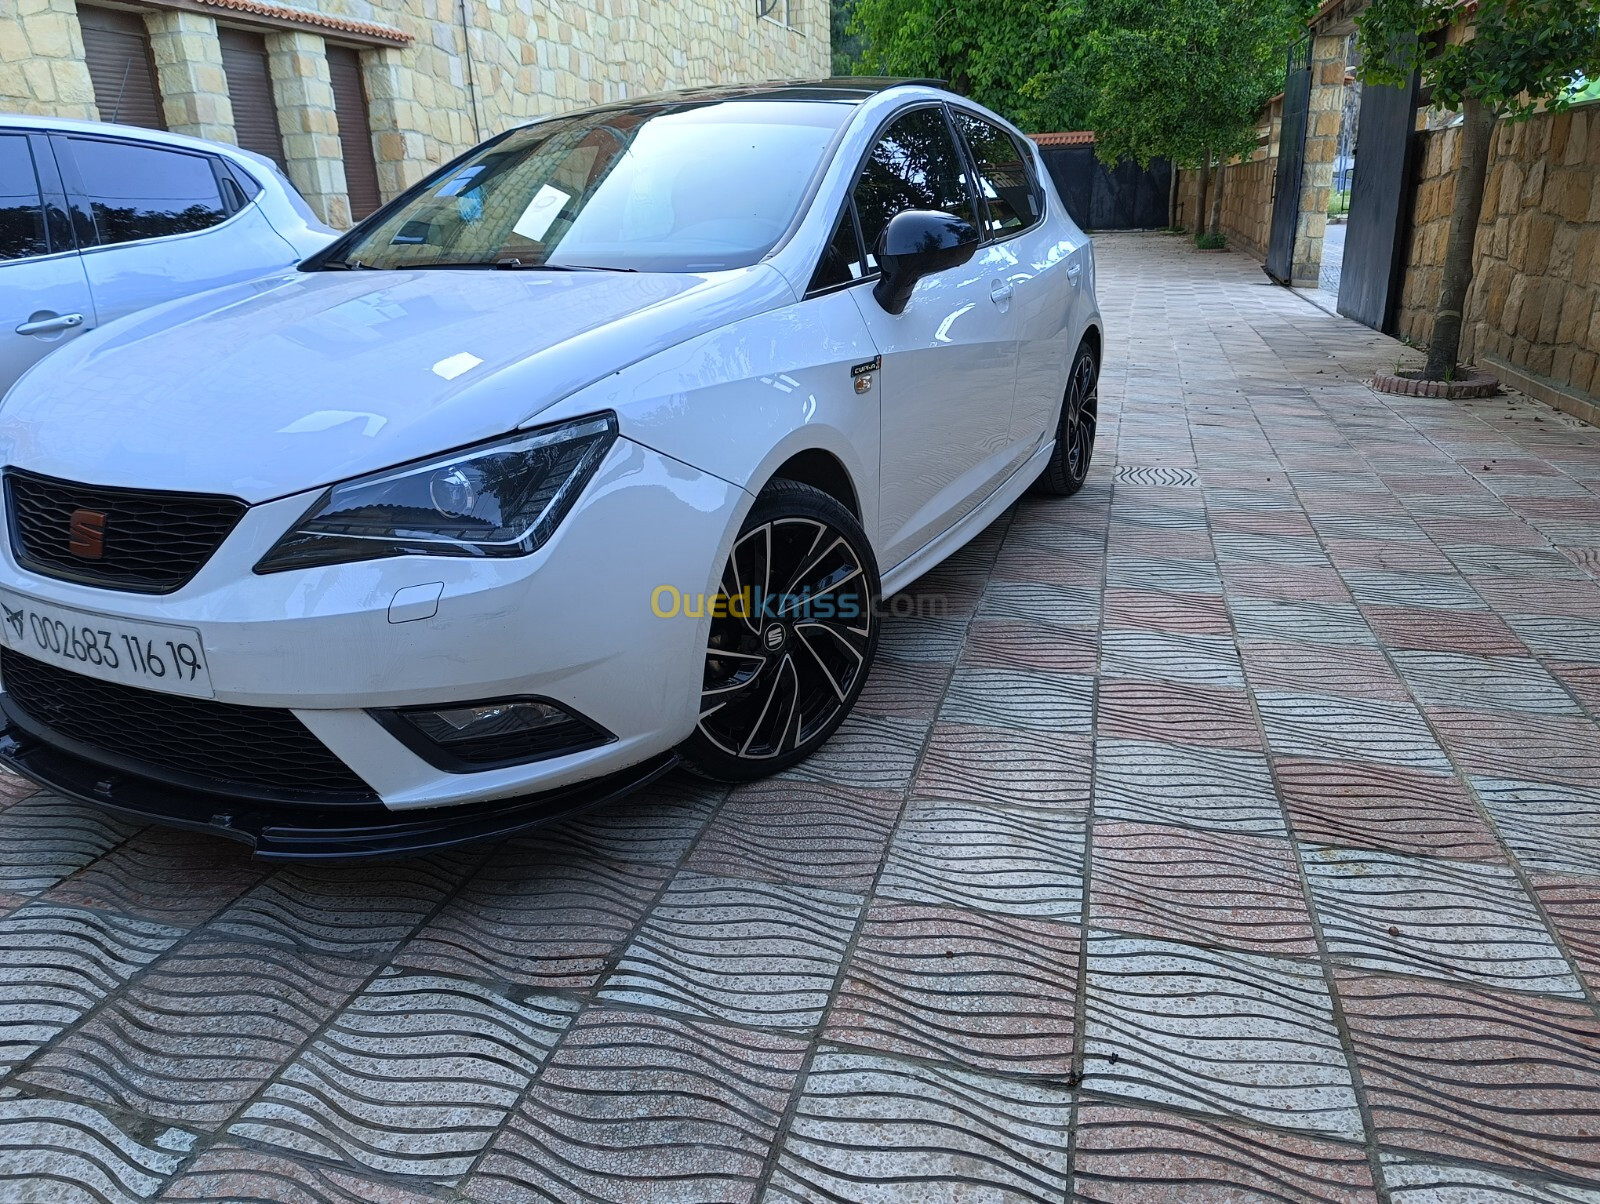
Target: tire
[
  {"x": 1068, "y": 468},
  {"x": 788, "y": 673}
]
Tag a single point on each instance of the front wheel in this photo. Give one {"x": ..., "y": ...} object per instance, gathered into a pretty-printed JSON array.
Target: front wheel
[
  {"x": 1068, "y": 468},
  {"x": 793, "y": 636}
]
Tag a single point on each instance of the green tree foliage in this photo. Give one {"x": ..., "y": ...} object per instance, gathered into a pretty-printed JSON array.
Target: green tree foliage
[
  {"x": 1515, "y": 58},
  {"x": 992, "y": 51}
]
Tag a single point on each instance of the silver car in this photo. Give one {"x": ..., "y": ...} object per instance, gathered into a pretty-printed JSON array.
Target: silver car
[{"x": 97, "y": 221}]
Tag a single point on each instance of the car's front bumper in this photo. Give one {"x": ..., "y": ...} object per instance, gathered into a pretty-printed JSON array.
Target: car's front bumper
[{"x": 573, "y": 623}]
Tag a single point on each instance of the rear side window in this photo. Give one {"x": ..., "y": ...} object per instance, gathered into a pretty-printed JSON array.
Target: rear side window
[
  {"x": 21, "y": 207},
  {"x": 915, "y": 165},
  {"x": 1010, "y": 194},
  {"x": 136, "y": 192}
]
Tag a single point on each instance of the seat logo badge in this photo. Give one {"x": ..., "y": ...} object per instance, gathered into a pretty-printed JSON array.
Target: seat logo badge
[
  {"x": 862, "y": 373},
  {"x": 87, "y": 534},
  {"x": 14, "y": 617},
  {"x": 773, "y": 637}
]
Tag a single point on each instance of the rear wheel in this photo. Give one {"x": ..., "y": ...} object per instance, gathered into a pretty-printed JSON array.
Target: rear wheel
[
  {"x": 787, "y": 659},
  {"x": 1068, "y": 468}
]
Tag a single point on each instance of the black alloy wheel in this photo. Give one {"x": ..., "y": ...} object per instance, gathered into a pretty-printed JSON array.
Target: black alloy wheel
[
  {"x": 792, "y": 640},
  {"x": 1068, "y": 468}
]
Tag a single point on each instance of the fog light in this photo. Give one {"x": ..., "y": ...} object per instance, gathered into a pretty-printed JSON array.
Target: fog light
[{"x": 464, "y": 737}]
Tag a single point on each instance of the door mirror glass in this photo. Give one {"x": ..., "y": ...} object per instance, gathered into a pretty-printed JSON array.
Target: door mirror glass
[{"x": 917, "y": 243}]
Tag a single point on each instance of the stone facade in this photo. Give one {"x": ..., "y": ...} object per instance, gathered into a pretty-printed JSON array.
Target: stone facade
[
  {"x": 1247, "y": 186},
  {"x": 1535, "y": 299},
  {"x": 439, "y": 75}
]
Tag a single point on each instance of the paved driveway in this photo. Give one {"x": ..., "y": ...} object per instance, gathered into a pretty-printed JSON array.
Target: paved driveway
[{"x": 1236, "y": 823}]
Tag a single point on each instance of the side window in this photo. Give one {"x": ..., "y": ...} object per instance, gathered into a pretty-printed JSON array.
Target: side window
[
  {"x": 841, "y": 259},
  {"x": 1010, "y": 194},
  {"x": 21, "y": 206},
  {"x": 914, "y": 166},
  {"x": 137, "y": 192}
]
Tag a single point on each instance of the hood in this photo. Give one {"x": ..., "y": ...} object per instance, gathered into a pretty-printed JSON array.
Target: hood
[{"x": 273, "y": 387}]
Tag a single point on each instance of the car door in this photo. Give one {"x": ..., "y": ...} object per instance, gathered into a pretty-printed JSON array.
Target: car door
[
  {"x": 44, "y": 295},
  {"x": 1043, "y": 270},
  {"x": 162, "y": 222},
  {"x": 948, "y": 360}
]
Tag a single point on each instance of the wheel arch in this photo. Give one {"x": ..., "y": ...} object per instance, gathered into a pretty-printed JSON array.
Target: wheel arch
[{"x": 821, "y": 469}]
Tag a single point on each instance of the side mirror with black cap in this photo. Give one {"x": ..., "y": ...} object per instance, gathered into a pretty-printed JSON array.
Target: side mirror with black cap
[{"x": 917, "y": 243}]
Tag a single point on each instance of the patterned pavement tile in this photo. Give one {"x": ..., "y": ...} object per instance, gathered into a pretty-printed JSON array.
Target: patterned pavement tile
[
  {"x": 1541, "y": 748},
  {"x": 1141, "y": 781},
  {"x": 1444, "y": 591},
  {"x": 1287, "y": 550},
  {"x": 866, "y": 753},
  {"x": 1210, "y": 660},
  {"x": 654, "y": 827},
  {"x": 1551, "y": 829},
  {"x": 1573, "y": 905},
  {"x": 1301, "y": 622},
  {"x": 1509, "y": 1080},
  {"x": 1412, "y": 1180},
  {"x": 1203, "y": 888},
  {"x": 1041, "y": 602},
  {"x": 1582, "y": 680},
  {"x": 58, "y": 1150},
  {"x": 164, "y": 874},
  {"x": 1557, "y": 637},
  {"x": 413, "y": 1077},
  {"x": 1020, "y": 863},
  {"x": 1218, "y": 1032},
  {"x": 1474, "y": 632},
  {"x": 242, "y": 1174},
  {"x": 1460, "y": 920},
  {"x": 1351, "y": 670},
  {"x": 1045, "y": 702},
  {"x": 990, "y": 764},
  {"x": 1177, "y": 713},
  {"x": 636, "y": 1108},
  {"x": 1146, "y": 573},
  {"x": 328, "y": 909},
  {"x": 921, "y": 639},
  {"x": 1526, "y": 563},
  {"x": 1019, "y": 561},
  {"x": 1499, "y": 683},
  {"x": 983, "y": 991},
  {"x": 536, "y": 918},
  {"x": 56, "y": 963},
  {"x": 1390, "y": 555},
  {"x": 1201, "y": 614},
  {"x": 1141, "y": 1156},
  {"x": 1333, "y": 728},
  {"x": 1030, "y": 646},
  {"x": 752, "y": 953},
  {"x": 45, "y": 838},
  {"x": 1246, "y": 580},
  {"x": 875, "y": 1130},
  {"x": 1540, "y": 596},
  {"x": 903, "y": 689},
  {"x": 1383, "y": 807},
  {"x": 800, "y": 832},
  {"x": 201, "y": 1031}
]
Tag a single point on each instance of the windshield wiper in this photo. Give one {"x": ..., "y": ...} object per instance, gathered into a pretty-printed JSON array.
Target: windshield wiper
[
  {"x": 345, "y": 265},
  {"x": 516, "y": 265}
]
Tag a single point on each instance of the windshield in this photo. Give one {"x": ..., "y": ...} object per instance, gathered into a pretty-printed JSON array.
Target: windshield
[{"x": 680, "y": 188}]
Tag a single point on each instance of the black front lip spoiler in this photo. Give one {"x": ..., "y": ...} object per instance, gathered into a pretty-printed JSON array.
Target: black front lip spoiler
[{"x": 309, "y": 831}]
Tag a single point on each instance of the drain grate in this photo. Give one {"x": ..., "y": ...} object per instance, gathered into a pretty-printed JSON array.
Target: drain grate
[{"x": 1140, "y": 474}]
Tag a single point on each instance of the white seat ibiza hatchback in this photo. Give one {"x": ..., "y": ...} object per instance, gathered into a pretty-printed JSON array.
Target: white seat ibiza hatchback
[{"x": 592, "y": 453}]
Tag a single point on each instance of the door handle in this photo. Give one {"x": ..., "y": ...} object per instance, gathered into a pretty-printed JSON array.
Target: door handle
[
  {"x": 1074, "y": 270},
  {"x": 1000, "y": 292},
  {"x": 51, "y": 324}
]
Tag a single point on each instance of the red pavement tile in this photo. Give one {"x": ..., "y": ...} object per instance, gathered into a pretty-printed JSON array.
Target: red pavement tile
[
  {"x": 1387, "y": 807},
  {"x": 1480, "y": 634},
  {"x": 1177, "y": 713},
  {"x": 1202, "y": 888},
  {"x": 807, "y": 833},
  {"x": 1141, "y": 1156},
  {"x": 1573, "y": 905},
  {"x": 1303, "y": 583},
  {"x": 1583, "y": 679},
  {"x": 1025, "y": 562},
  {"x": 1538, "y": 748},
  {"x": 969, "y": 762},
  {"x": 164, "y": 874},
  {"x": 1203, "y": 614},
  {"x": 1011, "y": 645},
  {"x": 1508, "y": 1079},
  {"x": 993, "y": 992},
  {"x": 1345, "y": 669},
  {"x": 1496, "y": 532},
  {"x": 1399, "y": 555},
  {"x": 1131, "y": 540}
]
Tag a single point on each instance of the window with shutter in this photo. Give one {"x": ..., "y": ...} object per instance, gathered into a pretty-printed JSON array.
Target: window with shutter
[
  {"x": 355, "y": 131},
  {"x": 116, "y": 49},
  {"x": 255, "y": 111}
]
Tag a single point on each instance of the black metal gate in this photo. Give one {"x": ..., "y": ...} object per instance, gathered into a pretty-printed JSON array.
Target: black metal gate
[
  {"x": 1380, "y": 199},
  {"x": 1291, "y": 162},
  {"x": 1127, "y": 197}
]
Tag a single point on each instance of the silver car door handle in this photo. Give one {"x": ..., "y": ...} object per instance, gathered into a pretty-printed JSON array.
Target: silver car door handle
[
  {"x": 999, "y": 293},
  {"x": 50, "y": 325},
  {"x": 1074, "y": 270}
]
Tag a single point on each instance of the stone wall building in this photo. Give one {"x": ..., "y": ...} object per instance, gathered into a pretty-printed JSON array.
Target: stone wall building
[{"x": 357, "y": 99}]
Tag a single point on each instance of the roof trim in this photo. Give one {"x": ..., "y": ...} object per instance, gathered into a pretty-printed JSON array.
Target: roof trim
[
  {"x": 264, "y": 15},
  {"x": 1065, "y": 138}
]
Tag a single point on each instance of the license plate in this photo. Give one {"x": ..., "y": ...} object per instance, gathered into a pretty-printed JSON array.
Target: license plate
[{"x": 157, "y": 656}]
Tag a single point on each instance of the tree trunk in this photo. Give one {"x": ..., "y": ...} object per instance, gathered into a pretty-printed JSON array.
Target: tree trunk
[
  {"x": 1477, "y": 131},
  {"x": 1216, "y": 197},
  {"x": 1204, "y": 188}
]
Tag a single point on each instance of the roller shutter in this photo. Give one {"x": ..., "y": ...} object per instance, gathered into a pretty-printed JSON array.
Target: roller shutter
[
  {"x": 355, "y": 131},
  {"x": 117, "y": 52},
  {"x": 255, "y": 112}
]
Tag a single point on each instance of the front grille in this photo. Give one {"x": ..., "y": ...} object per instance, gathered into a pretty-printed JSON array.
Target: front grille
[
  {"x": 151, "y": 543},
  {"x": 235, "y": 749}
]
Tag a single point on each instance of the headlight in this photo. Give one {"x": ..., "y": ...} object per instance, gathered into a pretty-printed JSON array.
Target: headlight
[{"x": 497, "y": 499}]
